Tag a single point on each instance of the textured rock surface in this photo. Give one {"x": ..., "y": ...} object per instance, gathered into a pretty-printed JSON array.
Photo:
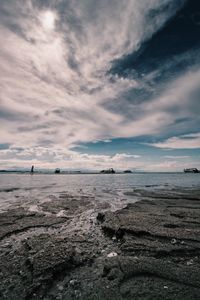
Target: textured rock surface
[
  {"x": 160, "y": 248},
  {"x": 156, "y": 245}
]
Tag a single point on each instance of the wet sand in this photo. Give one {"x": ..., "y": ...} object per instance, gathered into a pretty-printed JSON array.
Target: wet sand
[{"x": 74, "y": 247}]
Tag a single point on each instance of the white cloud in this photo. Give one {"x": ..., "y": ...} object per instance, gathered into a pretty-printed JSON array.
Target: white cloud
[
  {"x": 55, "y": 157},
  {"x": 188, "y": 141},
  {"x": 177, "y": 156},
  {"x": 168, "y": 165}
]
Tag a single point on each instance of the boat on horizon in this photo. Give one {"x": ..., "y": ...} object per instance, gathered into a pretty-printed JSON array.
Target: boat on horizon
[
  {"x": 108, "y": 171},
  {"x": 191, "y": 170}
]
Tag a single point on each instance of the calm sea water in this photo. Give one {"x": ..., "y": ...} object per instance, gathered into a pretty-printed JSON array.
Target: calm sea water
[{"x": 25, "y": 188}]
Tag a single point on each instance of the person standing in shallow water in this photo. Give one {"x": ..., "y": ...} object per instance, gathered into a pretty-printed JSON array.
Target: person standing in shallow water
[{"x": 32, "y": 169}]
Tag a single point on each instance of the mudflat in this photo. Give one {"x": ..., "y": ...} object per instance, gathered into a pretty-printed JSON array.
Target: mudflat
[{"x": 74, "y": 247}]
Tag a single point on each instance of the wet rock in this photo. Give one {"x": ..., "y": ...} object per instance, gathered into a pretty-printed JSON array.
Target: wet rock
[
  {"x": 71, "y": 206},
  {"x": 19, "y": 220},
  {"x": 152, "y": 256},
  {"x": 54, "y": 259}
]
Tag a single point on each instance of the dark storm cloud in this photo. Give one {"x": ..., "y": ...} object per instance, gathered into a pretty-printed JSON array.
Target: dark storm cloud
[
  {"x": 171, "y": 52},
  {"x": 175, "y": 40}
]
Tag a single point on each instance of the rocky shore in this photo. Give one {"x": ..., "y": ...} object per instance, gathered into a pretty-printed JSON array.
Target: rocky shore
[{"x": 73, "y": 247}]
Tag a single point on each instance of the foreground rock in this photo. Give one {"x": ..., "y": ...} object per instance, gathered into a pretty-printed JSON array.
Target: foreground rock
[
  {"x": 40, "y": 249},
  {"x": 148, "y": 250},
  {"x": 160, "y": 246}
]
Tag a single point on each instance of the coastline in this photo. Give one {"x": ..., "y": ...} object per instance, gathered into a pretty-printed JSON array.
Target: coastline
[
  {"x": 51, "y": 172},
  {"x": 76, "y": 248}
]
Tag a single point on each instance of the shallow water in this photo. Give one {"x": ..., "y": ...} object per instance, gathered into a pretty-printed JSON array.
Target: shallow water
[{"x": 22, "y": 189}]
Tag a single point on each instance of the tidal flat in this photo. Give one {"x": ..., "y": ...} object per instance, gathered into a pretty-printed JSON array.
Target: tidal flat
[{"x": 71, "y": 246}]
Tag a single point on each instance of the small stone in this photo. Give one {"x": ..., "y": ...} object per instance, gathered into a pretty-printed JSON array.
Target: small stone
[
  {"x": 189, "y": 263},
  {"x": 135, "y": 257},
  {"x": 112, "y": 254},
  {"x": 73, "y": 282},
  {"x": 173, "y": 241},
  {"x": 60, "y": 288}
]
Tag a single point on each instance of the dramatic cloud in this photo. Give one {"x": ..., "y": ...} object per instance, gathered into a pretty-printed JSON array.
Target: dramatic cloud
[
  {"x": 75, "y": 72},
  {"x": 189, "y": 141}
]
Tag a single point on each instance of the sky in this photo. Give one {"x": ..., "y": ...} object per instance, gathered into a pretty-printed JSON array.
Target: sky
[{"x": 96, "y": 84}]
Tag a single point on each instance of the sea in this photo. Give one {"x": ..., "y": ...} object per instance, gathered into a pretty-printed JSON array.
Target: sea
[{"x": 118, "y": 189}]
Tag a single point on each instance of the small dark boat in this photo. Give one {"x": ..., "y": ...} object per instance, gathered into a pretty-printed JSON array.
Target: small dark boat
[
  {"x": 57, "y": 171},
  {"x": 108, "y": 171},
  {"x": 128, "y": 171},
  {"x": 191, "y": 170}
]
